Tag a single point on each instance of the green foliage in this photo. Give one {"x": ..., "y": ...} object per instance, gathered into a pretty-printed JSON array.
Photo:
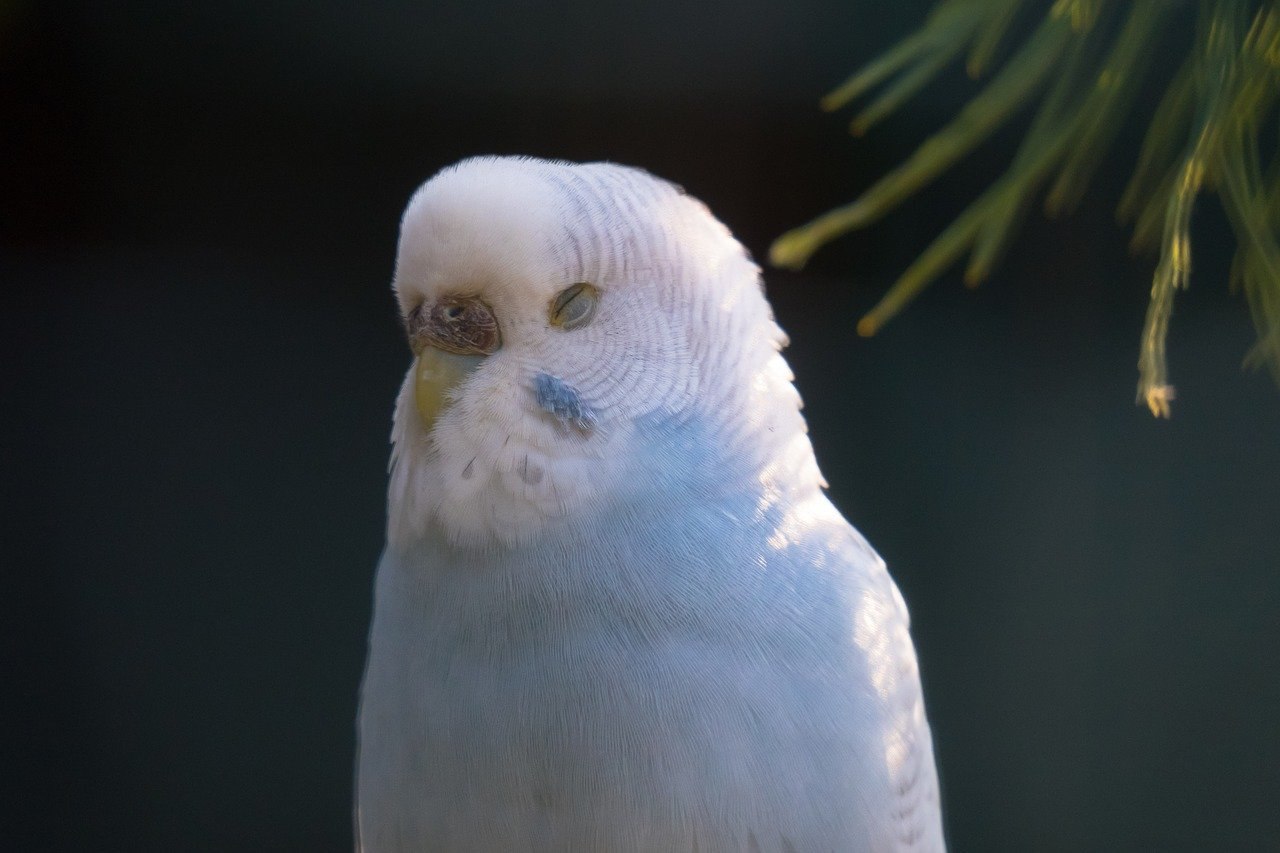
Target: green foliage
[{"x": 1083, "y": 64}]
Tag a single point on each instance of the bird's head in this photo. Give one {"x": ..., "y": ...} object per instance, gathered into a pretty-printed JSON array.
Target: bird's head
[{"x": 567, "y": 321}]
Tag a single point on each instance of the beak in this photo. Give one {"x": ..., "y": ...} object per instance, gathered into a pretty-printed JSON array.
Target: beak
[
  {"x": 436, "y": 374},
  {"x": 450, "y": 338}
]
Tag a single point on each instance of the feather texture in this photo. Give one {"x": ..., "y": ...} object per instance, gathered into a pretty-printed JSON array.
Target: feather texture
[{"x": 666, "y": 638}]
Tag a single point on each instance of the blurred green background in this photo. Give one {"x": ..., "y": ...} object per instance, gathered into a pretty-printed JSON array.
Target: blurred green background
[{"x": 198, "y": 215}]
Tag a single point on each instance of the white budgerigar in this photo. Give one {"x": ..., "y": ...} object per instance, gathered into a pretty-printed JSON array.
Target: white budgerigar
[{"x": 616, "y": 611}]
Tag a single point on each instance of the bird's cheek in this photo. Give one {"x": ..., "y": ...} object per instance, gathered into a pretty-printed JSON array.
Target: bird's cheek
[{"x": 436, "y": 375}]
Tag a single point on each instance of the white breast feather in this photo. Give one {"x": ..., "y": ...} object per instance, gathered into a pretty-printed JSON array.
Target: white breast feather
[{"x": 655, "y": 633}]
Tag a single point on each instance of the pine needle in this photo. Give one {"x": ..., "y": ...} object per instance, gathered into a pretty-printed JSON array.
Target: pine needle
[{"x": 1203, "y": 136}]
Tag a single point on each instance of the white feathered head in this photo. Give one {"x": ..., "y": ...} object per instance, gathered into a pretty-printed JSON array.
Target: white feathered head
[{"x": 566, "y": 319}]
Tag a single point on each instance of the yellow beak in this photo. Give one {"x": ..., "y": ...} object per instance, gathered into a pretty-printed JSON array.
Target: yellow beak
[{"x": 436, "y": 374}]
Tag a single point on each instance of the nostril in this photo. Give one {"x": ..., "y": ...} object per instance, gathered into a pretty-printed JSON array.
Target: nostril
[{"x": 461, "y": 325}]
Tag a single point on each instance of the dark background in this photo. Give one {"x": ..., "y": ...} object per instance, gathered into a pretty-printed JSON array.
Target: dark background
[{"x": 200, "y": 204}]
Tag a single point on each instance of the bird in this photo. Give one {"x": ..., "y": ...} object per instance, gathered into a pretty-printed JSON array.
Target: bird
[{"x": 616, "y": 610}]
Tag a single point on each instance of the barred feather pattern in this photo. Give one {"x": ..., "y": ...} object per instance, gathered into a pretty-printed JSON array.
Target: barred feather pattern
[{"x": 647, "y": 631}]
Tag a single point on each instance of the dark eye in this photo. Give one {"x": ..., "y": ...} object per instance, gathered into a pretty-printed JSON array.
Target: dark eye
[
  {"x": 574, "y": 306},
  {"x": 452, "y": 312}
]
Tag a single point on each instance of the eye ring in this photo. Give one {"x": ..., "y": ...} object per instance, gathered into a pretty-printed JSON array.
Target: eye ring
[{"x": 574, "y": 306}]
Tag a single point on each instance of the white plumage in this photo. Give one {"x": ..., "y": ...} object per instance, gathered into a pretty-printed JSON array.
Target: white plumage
[{"x": 616, "y": 611}]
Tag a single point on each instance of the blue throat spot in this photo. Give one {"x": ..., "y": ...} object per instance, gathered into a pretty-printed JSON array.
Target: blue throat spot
[{"x": 561, "y": 400}]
